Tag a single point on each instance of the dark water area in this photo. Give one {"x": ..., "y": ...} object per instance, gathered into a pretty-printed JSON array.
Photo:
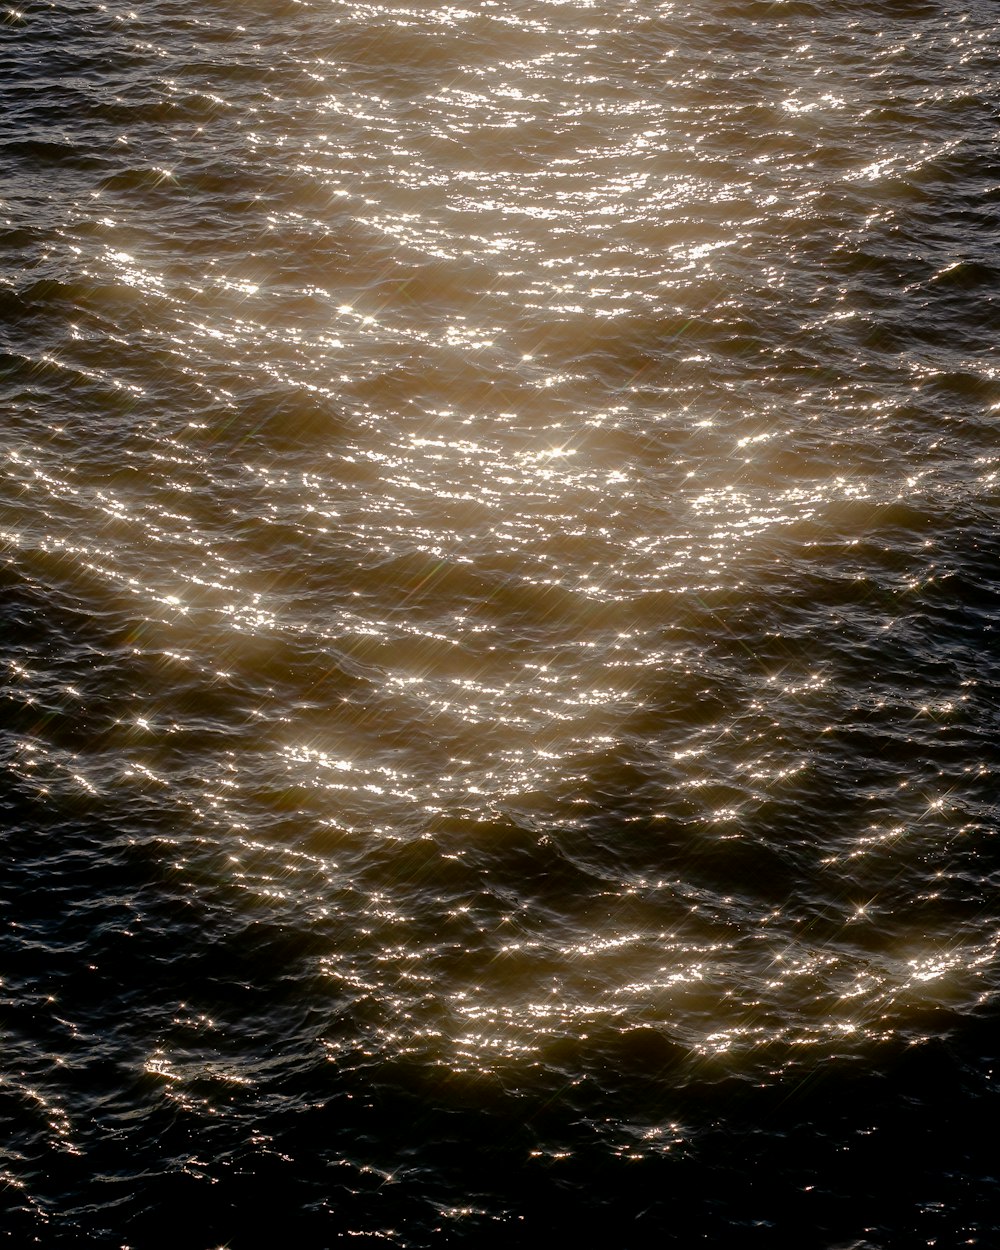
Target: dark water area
[{"x": 498, "y": 595}]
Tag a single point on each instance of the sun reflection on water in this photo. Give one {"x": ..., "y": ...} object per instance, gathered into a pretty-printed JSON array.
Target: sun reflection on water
[{"x": 515, "y": 534}]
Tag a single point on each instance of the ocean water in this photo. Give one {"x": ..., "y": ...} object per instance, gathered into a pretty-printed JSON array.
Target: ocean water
[{"x": 501, "y": 695}]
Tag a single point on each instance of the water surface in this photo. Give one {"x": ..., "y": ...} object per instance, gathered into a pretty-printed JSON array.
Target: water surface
[{"x": 499, "y": 517}]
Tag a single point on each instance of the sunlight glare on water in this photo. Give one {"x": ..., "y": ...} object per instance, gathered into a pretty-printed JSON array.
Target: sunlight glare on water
[{"x": 499, "y": 511}]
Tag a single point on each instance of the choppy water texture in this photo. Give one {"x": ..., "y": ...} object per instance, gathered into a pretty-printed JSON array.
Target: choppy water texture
[{"x": 499, "y": 583}]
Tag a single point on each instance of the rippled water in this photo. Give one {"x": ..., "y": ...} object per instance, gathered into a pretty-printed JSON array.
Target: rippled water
[{"x": 499, "y": 517}]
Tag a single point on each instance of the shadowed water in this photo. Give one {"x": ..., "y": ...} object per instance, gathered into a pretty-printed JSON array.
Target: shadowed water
[{"x": 499, "y": 575}]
